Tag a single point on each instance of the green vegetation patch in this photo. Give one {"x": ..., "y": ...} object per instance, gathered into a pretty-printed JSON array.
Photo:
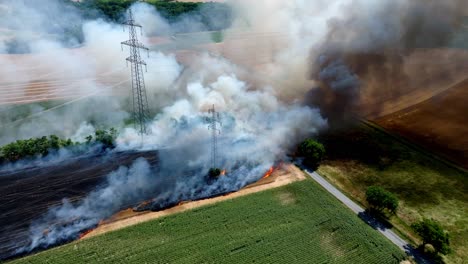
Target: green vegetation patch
[
  {"x": 214, "y": 16},
  {"x": 363, "y": 156},
  {"x": 297, "y": 223},
  {"x": 28, "y": 148}
]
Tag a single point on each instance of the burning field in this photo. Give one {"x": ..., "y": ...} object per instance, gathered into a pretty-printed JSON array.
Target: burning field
[
  {"x": 86, "y": 206},
  {"x": 273, "y": 178},
  {"x": 29, "y": 192}
]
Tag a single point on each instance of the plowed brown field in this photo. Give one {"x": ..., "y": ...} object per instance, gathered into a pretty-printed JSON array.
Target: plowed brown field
[{"x": 439, "y": 123}]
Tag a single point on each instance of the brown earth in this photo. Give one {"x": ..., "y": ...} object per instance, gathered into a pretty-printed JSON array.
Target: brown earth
[
  {"x": 438, "y": 124},
  {"x": 287, "y": 174}
]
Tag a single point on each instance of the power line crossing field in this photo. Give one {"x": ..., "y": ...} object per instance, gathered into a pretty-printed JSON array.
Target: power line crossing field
[{"x": 297, "y": 223}]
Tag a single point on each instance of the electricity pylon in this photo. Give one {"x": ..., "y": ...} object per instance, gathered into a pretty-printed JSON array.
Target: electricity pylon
[
  {"x": 140, "y": 100},
  {"x": 213, "y": 126}
]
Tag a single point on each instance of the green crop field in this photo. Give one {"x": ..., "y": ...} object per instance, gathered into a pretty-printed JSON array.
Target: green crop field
[
  {"x": 297, "y": 223},
  {"x": 427, "y": 187}
]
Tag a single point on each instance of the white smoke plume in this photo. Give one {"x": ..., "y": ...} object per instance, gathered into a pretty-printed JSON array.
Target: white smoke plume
[
  {"x": 95, "y": 74},
  {"x": 257, "y": 129}
]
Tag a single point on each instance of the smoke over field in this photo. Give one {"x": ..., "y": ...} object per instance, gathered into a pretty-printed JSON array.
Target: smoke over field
[{"x": 329, "y": 53}]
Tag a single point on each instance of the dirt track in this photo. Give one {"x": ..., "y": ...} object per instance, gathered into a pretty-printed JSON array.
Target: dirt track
[{"x": 28, "y": 193}]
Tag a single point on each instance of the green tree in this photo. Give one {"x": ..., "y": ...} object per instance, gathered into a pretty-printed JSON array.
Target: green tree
[
  {"x": 312, "y": 151},
  {"x": 106, "y": 138},
  {"x": 432, "y": 233},
  {"x": 380, "y": 200},
  {"x": 54, "y": 141}
]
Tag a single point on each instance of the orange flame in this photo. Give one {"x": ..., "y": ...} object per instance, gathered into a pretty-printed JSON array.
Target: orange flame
[
  {"x": 223, "y": 172},
  {"x": 268, "y": 173},
  {"x": 85, "y": 233}
]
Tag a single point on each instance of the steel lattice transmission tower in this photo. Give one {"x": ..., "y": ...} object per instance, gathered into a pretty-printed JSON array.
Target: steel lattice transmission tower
[
  {"x": 213, "y": 126},
  {"x": 140, "y": 100}
]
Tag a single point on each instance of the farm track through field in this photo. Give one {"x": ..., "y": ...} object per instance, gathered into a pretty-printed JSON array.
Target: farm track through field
[{"x": 29, "y": 193}]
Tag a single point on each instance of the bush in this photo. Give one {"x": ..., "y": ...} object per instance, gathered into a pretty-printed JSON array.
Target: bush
[
  {"x": 380, "y": 200},
  {"x": 104, "y": 137},
  {"x": 312, "y": 151},
  {"x": 214, "y": 172},
  {"x": 432, "y": 233}
]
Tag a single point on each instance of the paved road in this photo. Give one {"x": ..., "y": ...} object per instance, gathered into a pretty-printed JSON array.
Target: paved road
[{"x": 388, "y": 233}]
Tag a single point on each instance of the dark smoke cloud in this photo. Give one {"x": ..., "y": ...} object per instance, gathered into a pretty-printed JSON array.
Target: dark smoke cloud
[
  {"x": 394, "y": 25},
  {"x": 338, "y": 90},
  {"x": 370, "y": 46}
]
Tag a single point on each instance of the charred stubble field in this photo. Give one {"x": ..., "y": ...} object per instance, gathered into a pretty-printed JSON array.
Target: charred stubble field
[
  {"x": 297, "y": 223},
  {"x": 27, "y": 194}
]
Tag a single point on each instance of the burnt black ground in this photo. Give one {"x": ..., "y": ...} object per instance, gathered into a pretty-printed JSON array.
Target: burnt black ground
[{"x": 27, "y": 194}]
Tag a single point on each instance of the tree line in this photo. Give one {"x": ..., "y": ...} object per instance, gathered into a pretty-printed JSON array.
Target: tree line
[
  {"x": 214, "y": 16},
  {"x": 42, "y": 146}
]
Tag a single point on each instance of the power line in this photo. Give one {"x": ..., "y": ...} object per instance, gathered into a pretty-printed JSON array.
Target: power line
[{"x": 140, "y": 100}]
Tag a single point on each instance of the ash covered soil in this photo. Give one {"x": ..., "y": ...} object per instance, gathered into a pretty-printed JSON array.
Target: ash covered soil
[{"x": 28, "y": 193}]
